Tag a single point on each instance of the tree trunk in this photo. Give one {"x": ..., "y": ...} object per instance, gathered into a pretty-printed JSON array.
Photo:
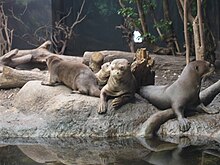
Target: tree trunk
[
  {"x": 201, "y": 52},
  {"x": 186, "y": 35},
  {"x": 170, "y": 37},
  {"x": 142, "y": 16}
]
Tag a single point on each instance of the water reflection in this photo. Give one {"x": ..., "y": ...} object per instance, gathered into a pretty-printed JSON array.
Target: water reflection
[{"x": 99, "y": 151}]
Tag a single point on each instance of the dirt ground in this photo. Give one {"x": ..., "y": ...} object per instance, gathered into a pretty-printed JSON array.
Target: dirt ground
[
  {"x": 167, "y": 69},
  {"x": 7, "y": 96}
]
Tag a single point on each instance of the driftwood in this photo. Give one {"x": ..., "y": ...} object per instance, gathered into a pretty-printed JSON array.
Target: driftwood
[
  {"x": 141, "y": 63},
  {"x": 17, "y": 57},
  {"x": 141, "y": 68},
  {"x": 109, "y": 56},
  {"x": 13, "y": 78}
]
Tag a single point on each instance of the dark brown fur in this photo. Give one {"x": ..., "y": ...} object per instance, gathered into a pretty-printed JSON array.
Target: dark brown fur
[{"x": 75, "y": 75}]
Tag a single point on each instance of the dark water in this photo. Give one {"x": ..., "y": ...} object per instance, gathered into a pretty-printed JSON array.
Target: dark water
[{"x": 119, "y": 151}]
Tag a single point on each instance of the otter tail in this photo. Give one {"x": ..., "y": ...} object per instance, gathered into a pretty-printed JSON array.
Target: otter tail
[{"x": 153, "y": 123}]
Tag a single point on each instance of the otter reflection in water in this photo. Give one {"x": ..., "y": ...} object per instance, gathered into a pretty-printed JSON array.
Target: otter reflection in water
[{"x": 118, "y": 151}]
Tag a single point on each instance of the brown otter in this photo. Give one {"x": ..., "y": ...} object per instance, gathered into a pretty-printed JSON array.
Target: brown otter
[
  {"x": 103, "y": 74},
  {"x": 182, "y": 94},
  {"x": 121, "y": 85},
  {"x": 75, "y": 75}
]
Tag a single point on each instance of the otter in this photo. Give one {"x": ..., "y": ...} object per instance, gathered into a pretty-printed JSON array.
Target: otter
[
  {"x": 103, "y": 74},
  {"x": 182, "y": 94},
  {"x": 75, "y": 75},
  {"x": 121, "y": 85}
]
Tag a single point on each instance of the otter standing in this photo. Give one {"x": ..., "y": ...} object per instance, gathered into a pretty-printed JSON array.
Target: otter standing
[
  {"x": 121, "y": 85},
  {"x": 77, "y": 76},
  {"x": 182, "y": 94}
]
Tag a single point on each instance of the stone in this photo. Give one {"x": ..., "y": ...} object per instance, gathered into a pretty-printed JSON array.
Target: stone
[{"x": 44, "y": 111}]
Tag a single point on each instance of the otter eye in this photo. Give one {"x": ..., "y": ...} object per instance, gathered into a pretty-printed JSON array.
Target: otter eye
[{"x": 121, "y": 67}]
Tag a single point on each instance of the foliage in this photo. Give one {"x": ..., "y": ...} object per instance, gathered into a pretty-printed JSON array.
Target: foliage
[
  {"x": 130, "y": 11},
  {"x": 163, "y": 25},
  {"x": 151, "y": 38},
  {"x": 106, "y": 7}
]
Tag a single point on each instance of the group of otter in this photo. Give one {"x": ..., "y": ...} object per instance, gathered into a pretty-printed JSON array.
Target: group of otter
[{"x": 115, "y": 80}]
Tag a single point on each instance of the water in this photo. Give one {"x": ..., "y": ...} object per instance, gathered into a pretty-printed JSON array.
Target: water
[{"x": 99, "y": 151}]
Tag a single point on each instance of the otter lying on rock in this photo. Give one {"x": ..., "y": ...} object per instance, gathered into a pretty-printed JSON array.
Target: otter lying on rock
[
  {"x": 182, "y": 94},
  {"x": 121, "y": 85},
  {"x": 77, "y": 76}
]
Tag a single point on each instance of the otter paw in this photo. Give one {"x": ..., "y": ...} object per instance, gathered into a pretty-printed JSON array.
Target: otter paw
[
  {"x": 211, "y": 111},
  {"x": 75, "y": 92},
  {"x": 102, "y": 108},
  {"x": 116, "y": 102},
  {"x": 184, "y": 125}
]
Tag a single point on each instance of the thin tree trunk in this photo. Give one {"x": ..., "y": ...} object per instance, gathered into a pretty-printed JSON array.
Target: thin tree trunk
[
  {"x": 199, "y": 33},
  {"x": 142, "y": 16},
  {"x": 186, "y": 35},
  {"x": 201, "y": 54},
  {"x": 171, "y": 37}
]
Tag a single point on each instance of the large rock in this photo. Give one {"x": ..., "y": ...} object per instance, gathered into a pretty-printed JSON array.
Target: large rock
[{"x": 43, "y": 111}]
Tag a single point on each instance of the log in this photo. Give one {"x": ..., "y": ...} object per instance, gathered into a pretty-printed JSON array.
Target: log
[
  {"x": 17, "y": 57},
  {"x": 109, "y": 56},
  {"x": 13, "y": 78}
]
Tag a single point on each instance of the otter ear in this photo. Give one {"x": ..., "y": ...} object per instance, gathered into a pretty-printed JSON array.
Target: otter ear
[{"x": 197, "y": 68}]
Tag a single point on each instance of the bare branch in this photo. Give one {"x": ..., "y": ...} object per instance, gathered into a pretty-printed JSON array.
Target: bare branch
[
  {"x": 6, "y": 35},
  {"x": 68, "y": 14},
  {"x": 17, "y": 18}
]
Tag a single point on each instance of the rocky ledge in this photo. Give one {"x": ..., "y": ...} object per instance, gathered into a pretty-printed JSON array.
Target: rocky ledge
[{"x": 43, "y": 111}]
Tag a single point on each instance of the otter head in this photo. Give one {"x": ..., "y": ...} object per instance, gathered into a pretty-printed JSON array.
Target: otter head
[
  {"x": 119, "y": 67},
  {"x": 202, "y": 68},
  {"x": 106, "y": 68},
  {"x": 52, "y": 60}
]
